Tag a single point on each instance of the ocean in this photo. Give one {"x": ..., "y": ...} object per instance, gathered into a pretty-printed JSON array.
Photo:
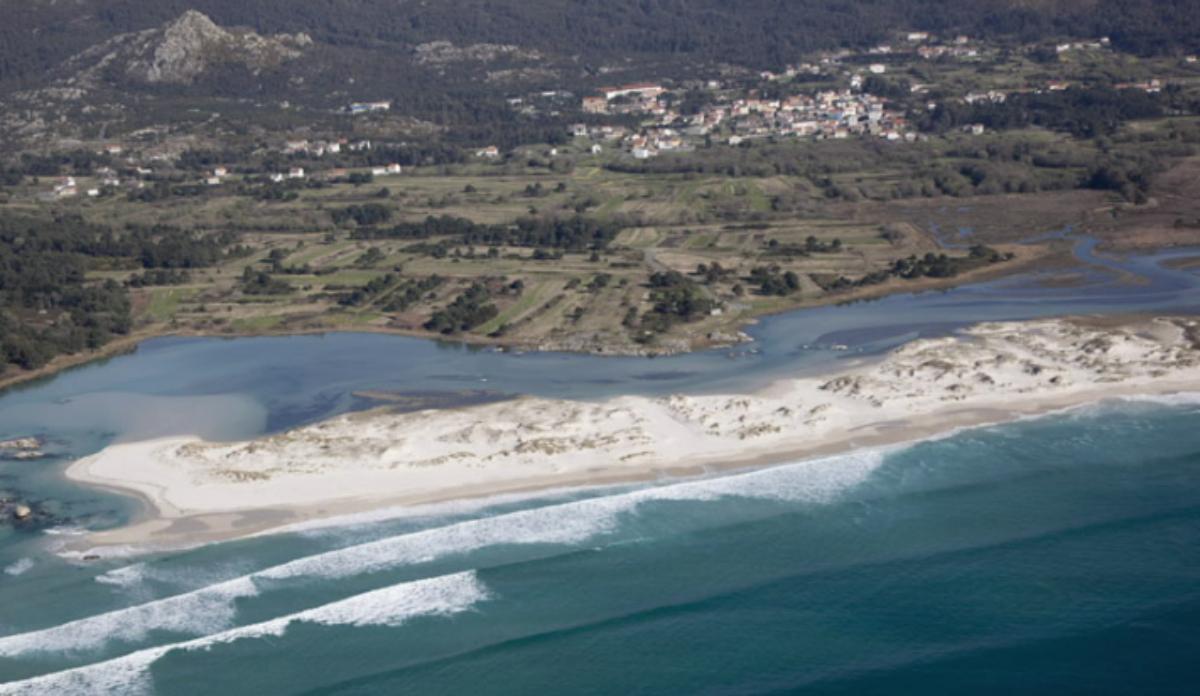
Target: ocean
[
  {"x": 1052, "y": 555},
  {"x": 1060, "y": 554}
]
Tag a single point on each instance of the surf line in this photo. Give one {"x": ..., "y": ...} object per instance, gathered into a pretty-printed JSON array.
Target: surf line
[
  {"x": 211, "y": 608},
  {"x": 390, "y": 606}
]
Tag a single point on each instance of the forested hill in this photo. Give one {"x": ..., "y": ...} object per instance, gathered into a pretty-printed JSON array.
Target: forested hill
[{"x": 35, "y": 35}]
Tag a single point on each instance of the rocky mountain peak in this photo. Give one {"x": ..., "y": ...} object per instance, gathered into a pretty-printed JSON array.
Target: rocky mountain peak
[
  {"x": 181, "y": 50},
  {"x": 194, "y": 25}
]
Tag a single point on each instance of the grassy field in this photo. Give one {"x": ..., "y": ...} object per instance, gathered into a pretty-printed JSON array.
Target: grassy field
[{"x": 669, "y": 222}]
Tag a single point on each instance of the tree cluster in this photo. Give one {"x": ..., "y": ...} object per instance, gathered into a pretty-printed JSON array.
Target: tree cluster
[
  {"x": 468, "y": 310},
  {"x": 674, "y": 298},
  {"x": 256, "y": 282},
  {"x": 772, "y": 280},
  {"x": 1081, "y": 111},
  {"x": 573, "y": 233},
  {"x": 365, "y": 214}
]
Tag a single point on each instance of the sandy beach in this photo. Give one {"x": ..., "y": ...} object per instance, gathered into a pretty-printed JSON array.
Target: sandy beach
[{"x": 197, "y": 491}]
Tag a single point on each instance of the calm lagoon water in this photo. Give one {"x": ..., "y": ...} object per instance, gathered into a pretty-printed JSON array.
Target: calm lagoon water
[{"x": 1053, "y": 555}]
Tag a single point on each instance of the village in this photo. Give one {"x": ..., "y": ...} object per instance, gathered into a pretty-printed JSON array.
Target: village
[
  {"x": 573, "y": 207},
  {"x": 826, "y": 114},
  {"x": 873, "y": 93},
  {"x": 589, "y": 347},
  {"x": 135, "y": 171},
  {"x": 736, "y": 112}
]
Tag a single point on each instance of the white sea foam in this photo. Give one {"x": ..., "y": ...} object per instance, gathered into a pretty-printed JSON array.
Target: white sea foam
[
  {"x": 201, "y": 611},
  {"x": 65, "y": 530},
  {"x": 125, "y": 576},
  {"x": 1091, "y": 409},
  {"x": 19, "y": 566},
  {"x": 577, "y": 521},
  {"x": 136, "y": 577},
  {"x": 341, "y": 525},
  {"x": 212, "y": 608},
  {"x": 389, "y": 606},
  {"x": 1176, "y": 399},
  {"x": 114, "y": 551},
  {"x": 65, "y": 535}
]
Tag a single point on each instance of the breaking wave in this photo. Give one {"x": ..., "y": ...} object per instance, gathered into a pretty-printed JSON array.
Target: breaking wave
[
  {"x": 200, "y": 611},
  {"x": 125, "y": 576},
  {"x": 390, "y": 606},
  {"x": 212, "y": 608}
]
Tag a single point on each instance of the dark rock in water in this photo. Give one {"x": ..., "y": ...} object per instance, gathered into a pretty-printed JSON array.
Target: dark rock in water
[
  {"x": 91, "y": 557},
  {"x": 21, "y": 443},
  {"x": 23, "y": 514},
  {"x": 22, "y": 448}
]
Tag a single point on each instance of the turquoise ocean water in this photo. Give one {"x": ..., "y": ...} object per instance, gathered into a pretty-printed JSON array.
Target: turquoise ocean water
[{"x": 1053, "y": 555}]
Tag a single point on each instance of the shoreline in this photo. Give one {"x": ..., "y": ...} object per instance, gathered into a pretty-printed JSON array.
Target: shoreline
[
  {"x": 59, "y": 364},
  {"x": 196, "y": 492},
  {"x": 155, "y": 529}
]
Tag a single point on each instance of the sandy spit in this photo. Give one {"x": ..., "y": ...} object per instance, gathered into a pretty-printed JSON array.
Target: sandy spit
[{"x": 197, "y": 492}]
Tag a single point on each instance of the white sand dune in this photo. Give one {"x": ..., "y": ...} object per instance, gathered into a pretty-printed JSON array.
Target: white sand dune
[{"x": 990, "y": 373}]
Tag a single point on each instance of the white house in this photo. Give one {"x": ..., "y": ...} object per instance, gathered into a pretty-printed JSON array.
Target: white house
[
  {"x": 296, "y": 173},
  {"x": 368, "y": 107},
  {"x": 644, "y": 90},
  {"x": 65, "y": 187}
]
